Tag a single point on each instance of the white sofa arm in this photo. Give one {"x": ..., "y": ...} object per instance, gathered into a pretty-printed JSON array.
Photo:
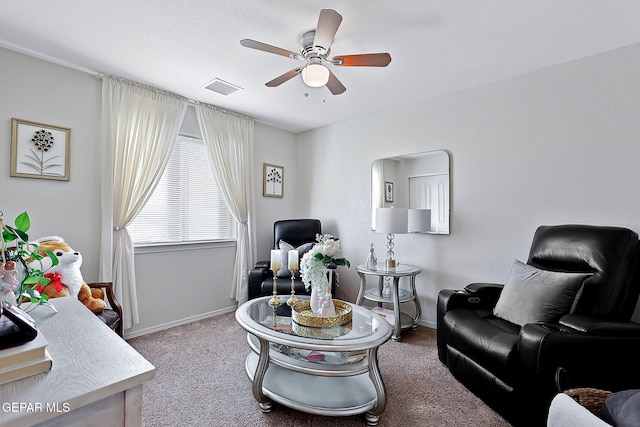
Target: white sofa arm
[{"x": 566, "y": 412}]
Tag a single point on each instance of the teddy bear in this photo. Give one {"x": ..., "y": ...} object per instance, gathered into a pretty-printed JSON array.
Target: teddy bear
[{"x": 65, "y": 277}]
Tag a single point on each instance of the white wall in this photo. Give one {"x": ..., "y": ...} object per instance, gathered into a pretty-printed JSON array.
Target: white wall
[
  {"x": 35, "y": 90},
  {"x": 178, "y": 286},
  {"x": 186, "y": 284},
  {"x": 554, "y": 146},
  {"x": 173, "y": 287},
  {"x": 276, "y": 147},
  {"x": 560, "y": 145}
]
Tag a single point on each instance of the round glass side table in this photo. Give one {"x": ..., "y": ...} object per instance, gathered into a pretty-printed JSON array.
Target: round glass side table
[{"x": 395, "y": 296}]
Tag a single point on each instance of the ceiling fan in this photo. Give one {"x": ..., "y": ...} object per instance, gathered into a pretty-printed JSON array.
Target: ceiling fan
[{"x": 315, "y": 49}]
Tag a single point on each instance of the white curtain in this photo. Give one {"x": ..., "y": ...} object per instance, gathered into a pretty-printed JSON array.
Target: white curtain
[
  {"x": 140, "y": 125},
  {"x": 228, "y": 139}
]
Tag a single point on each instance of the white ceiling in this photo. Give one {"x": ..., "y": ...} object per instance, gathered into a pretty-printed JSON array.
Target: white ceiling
[{"x": 436, "y": 46}]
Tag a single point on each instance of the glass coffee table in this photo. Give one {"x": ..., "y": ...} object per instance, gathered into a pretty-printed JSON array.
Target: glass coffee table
[{"x": 331, "y": 371}]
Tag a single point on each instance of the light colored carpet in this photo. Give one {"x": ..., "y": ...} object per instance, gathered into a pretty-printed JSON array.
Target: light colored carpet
[{"x": 201, "y": 381}]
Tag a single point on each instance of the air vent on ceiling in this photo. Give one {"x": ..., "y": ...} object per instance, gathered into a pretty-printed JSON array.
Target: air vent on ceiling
[{"x": 222, "y": 87}]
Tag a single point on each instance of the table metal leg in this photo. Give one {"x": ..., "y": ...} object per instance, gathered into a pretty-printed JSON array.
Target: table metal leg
[
  {"x": 373, "y": 416},
  {"x": 363, "y": 283},
  {"x": 416, "y": 301},
  {"x": 381, "y": 281},
  {"x": 396, "y": 309},
  {"x": 261, "y": 369}
]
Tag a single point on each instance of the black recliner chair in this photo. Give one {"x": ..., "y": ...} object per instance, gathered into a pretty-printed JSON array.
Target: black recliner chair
[
  {"x": 295, "y": 232},
  {"x": 512, "y": 367}
]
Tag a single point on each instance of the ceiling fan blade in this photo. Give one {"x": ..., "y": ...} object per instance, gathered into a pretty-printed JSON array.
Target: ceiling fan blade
[
  {"x": 334, "y": 85},
  {"x": 283, "y": 78},
  {"x": 363, "y": 60},
  {"x": 328, "y": 24},
  {"x": 271, "y": 49}
]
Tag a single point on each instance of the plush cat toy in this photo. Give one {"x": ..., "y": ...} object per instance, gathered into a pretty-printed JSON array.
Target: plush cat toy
[{"x": 66, "y": 278}]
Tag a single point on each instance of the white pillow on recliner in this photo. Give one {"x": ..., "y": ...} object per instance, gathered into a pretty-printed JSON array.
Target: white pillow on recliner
[
  {"x": 534, "y": 295},
  {"x": 284, "y": 254}
]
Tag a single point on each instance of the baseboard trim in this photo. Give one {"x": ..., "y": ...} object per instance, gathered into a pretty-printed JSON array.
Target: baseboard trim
[
  {"x": 431, "y": 325},
  {"x": 158, "y": 328},
  {"x": 179, "y": 322}
]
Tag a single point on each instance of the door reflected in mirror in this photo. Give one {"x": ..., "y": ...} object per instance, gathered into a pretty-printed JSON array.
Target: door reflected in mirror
[{"x": 419, "y": 182}]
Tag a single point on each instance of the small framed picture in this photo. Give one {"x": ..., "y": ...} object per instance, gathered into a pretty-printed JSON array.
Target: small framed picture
[
  {"x": 272, "y": 180},
  {"x": 39, "y": 150},
  {"x": 388, "y": 191}
]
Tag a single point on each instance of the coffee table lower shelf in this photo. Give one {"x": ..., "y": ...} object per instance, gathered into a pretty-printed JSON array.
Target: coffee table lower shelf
[{"x": 316, "y": 394}]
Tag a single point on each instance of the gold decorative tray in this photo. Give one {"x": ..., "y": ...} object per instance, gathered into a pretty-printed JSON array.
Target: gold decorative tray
[
  {"x": 321, "y": 333},
  {"x": 302, "y": 315}
]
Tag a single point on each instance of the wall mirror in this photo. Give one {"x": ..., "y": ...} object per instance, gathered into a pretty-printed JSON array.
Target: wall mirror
[{"x": 413, "y": 181}]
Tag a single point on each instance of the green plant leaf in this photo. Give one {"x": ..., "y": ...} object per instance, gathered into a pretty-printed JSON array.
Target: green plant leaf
[
  {"x": 22, "y": 235},
  {"x": 9, "y": 233},
  {"x": 30, "y": 281},
  {"x": 23, "y": 223},
  {"x": 54, "y": 258},
  {"x": 342, "y": 261}
]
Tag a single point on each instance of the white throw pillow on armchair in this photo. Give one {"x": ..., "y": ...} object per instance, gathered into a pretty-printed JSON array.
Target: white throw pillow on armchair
[
  {"x": 284, "y": 253},
  {"x": 535, "y": 295}
]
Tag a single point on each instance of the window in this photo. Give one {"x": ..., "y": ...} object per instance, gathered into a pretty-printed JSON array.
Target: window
[{"x": 186, "y": 206}]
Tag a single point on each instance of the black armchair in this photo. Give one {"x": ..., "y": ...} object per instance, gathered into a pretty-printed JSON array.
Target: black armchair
[
  {"x": 297, "y": 233},
  {"x": 512, "y": 366}
]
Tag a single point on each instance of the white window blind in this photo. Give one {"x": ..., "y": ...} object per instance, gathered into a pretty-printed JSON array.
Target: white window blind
[{"x": 186, "y": 206}]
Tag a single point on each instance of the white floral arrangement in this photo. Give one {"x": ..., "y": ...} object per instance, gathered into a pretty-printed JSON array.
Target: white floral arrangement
[{"x": 313, "y": 266}]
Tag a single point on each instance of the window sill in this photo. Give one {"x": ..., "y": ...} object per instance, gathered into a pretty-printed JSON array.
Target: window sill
[{"x": 148, "y": 248}]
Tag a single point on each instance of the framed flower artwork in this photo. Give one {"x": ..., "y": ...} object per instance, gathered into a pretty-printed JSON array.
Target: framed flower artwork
[
  {"x": 272, "y": 180},
  {"x": 39, "y": 150},
  {"x": 388, "y": 192}
]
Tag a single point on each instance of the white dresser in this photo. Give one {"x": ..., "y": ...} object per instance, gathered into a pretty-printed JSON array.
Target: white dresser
[{"x": 96, "y": 378}]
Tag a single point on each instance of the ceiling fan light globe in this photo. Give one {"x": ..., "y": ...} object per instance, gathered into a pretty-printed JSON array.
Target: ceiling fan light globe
[{"x": 315, "y": 75}]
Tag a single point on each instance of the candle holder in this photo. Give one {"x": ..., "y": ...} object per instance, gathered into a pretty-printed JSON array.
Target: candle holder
[
  {"x": 275, "y": 301},
  {"x": 292, "y": 299}
]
